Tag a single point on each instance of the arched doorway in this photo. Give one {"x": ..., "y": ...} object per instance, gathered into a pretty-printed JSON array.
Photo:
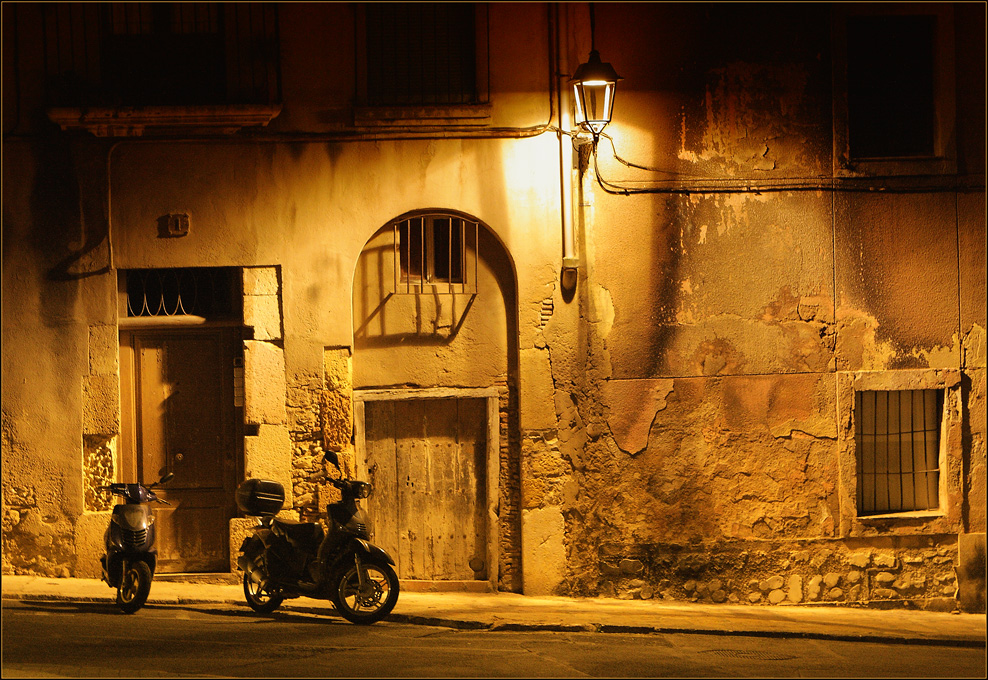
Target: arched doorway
[{"x": 434, "y": 370}]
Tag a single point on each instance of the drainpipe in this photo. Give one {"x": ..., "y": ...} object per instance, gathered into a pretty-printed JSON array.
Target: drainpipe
[{"x": 570, "y": 263}]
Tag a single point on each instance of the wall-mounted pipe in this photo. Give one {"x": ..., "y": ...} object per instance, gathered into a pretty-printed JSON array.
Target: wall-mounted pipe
[{"x": 568, "y": 275}]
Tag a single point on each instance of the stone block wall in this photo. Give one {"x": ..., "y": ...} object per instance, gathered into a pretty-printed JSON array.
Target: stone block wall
[
  {"x": 321, "y": 415},
  {"x": 101, "y": 415},
  {"x": 918, "y": 572},
  {"x": 267, "y": 446}
]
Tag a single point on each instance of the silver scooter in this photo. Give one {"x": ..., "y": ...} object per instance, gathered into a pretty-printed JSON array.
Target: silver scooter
[{"x": 129, "y": 561}]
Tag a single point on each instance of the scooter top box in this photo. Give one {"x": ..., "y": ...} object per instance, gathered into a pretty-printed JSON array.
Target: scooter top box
[{"x": 260, "y": 497}]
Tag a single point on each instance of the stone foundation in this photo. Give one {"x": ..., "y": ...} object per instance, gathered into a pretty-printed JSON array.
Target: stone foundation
[{"x": 915, "y": 572}]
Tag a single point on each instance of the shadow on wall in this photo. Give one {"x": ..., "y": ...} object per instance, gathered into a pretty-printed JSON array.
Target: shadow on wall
[{"x": 68, "y": 203}]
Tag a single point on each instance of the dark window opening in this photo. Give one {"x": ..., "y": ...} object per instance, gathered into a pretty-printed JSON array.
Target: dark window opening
[
  {"x": 890, "y": 86},
  {"x": 447, "y": 244},
  {"x": 421, "y": 53},
  {"x": 164, "y": 53},
  {"x": 897, "y": 441},
  {"x": 209, "y": 292},
  {"x": 160, "y": 54},
  {"x": 411, "y": 253}
]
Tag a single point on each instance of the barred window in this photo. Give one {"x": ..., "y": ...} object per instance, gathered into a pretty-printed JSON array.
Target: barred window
[
  {"x": 433, "y": 251},
  {"x": 897, "y": 439},
  {"x": 420, "y": 53}
]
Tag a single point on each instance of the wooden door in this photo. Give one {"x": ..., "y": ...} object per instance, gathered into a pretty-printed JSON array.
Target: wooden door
[
  {"x": 179, "y": 417},
  {"x": 427, "y": 461}
]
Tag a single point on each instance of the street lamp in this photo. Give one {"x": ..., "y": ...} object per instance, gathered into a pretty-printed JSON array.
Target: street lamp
[{"x": 594, "y": 84}]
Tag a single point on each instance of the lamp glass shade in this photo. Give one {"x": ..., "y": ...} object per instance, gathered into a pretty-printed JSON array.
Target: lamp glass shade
[{"x": 594, "y": 84}]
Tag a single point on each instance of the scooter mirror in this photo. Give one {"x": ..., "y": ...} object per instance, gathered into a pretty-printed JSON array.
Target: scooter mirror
[{"x": 331, "y": 457}]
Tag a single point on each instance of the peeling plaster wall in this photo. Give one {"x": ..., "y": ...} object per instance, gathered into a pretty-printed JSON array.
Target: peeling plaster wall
[{"x": 697, "y": 391}]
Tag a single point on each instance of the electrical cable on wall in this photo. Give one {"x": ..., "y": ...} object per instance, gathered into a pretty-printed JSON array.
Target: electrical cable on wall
[{"x": 688, "y": 185}]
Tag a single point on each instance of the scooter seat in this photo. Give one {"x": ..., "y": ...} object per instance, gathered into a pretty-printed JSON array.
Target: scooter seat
[{"x": 301, "y": 533}]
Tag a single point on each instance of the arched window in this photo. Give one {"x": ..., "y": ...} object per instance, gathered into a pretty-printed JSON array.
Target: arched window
[{"x": 435, "y": 252}]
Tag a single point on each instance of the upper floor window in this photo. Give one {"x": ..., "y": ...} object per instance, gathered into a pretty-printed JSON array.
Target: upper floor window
[
  {"x": 893, "y": 89},
  {"x": 422, "y": 64},
  {"x": 160, "y": 53},
  {"x": 420, "y": 53},
  {"x": 890, "y": 93},
  {"x": 164, "y": 53}
]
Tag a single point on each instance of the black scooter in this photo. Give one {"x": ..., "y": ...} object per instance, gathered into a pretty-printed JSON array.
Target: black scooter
[
  {"x": 286, "y": 558},
  {"x": 129, "y": 562}
]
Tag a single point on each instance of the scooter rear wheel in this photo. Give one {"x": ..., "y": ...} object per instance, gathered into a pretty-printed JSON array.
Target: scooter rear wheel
[
  {"x": 258, "y": 594},
  {"x": 134, "y": 587},
  {"x": 372, "y": 603}
]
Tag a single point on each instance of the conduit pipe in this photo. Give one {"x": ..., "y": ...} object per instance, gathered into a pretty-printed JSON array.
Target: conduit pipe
[{"x": 570, "y": 262}]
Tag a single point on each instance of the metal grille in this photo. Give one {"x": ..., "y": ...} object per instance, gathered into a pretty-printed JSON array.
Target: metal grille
[
  {"x": 897, "y": 440},
  {"x": 134, "y": 539},
  {"x": 421, "y": 53},
  {"x": 434, "y": 253},
  {"x": 200, "y": 291}
]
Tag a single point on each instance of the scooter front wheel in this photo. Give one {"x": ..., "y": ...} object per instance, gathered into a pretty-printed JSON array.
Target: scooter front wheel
[
  {"x": 373, "y": 601},
  {"x": 134, "y": 586},
  {"x": 257, "y": 592}
]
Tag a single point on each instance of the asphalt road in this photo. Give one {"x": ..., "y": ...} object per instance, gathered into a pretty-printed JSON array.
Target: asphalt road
[{"x": 65, "y": 639}]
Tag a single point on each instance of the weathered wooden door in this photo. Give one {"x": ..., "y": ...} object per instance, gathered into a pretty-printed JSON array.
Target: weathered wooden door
[
  {"x": 179, "y": 416},
  {"x": 427, "y": 461}
]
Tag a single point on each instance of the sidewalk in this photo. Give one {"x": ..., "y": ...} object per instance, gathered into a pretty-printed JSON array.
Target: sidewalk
[{"x": 509, "y": 611}]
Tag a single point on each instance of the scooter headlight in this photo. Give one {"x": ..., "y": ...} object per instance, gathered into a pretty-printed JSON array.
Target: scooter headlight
[{"x": 361, "y": 490}]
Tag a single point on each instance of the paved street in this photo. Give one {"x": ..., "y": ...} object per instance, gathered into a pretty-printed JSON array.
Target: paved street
[{"x": 93, "y": 639}]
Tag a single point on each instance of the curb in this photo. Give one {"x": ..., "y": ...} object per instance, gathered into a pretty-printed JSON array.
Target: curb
[{"x": 500, "y": 626}]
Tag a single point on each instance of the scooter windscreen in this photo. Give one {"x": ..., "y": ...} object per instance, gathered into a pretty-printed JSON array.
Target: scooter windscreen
[{"x": 132, "y": 517}]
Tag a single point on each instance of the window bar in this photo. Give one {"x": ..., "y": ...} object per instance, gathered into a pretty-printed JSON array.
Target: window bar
[
  {"x": 881, "y": 446},
  {"x": 72, "y": 36},
  {"x": 918, "y": 417},
  {"x": 44, "y": 51},
  {"x": 926, "y": 467},
  {"x": 397, "y": 259},
  {"x": 898, "y": 447},
  {"x": 250, "y": 64},
  {"x": 873, "y": 425},
  {"x": 449, "y": 256},
  {"x": 422, "y": 254},
  {"x": 859, "y": 448},
  {"x": 928, "y": 403},
  {"x": 906, "y": 419},
  {"x": 890, "y": 451},
  {"x": 938, "y": 406}
]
